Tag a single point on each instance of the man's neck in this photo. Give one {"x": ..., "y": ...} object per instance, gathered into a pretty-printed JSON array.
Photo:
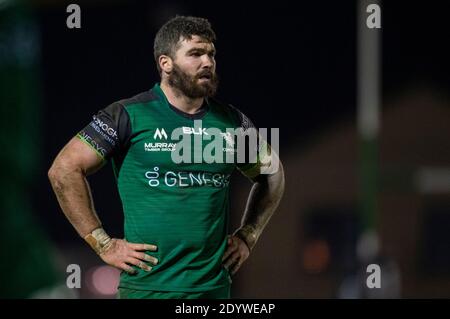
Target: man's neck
[{"x": 179, "y": 100}]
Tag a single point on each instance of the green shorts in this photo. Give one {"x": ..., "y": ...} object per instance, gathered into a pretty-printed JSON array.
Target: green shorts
[{"x": 219, "y": 293}]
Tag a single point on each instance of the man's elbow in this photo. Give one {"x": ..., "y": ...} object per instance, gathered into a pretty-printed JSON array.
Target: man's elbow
[
  {"x": 60, "y": 171},
  {"x": 55, "y": 174},
  {"x": 275, "y": 178}
]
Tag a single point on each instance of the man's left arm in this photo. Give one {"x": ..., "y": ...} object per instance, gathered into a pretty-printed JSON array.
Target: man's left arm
[{"x": 262, "y": 202}]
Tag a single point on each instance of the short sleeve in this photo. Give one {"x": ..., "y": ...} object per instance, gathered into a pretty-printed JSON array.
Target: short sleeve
[
  {"x": 109, "y": 131},
  {"x": 255, "y": 157}
]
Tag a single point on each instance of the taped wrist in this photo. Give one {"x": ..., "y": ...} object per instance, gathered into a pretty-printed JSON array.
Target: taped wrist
[
  {"x": 248, "y": 234},
  {"x": 99, "y": 240}
]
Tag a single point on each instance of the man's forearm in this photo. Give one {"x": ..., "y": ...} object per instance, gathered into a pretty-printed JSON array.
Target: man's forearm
[
  {"x": 74, "y": 196},
  {"x": 262, "y": 202}
]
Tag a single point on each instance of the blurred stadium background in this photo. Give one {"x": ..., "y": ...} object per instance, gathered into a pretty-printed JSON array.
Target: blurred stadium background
[{"x": 285, "y": 67}]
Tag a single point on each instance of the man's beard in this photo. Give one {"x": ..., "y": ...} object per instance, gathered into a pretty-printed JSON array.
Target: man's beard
[{"x": 189, "y": 86}]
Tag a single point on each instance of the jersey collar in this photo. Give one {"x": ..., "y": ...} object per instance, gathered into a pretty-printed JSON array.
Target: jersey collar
[{"x": 200, "y": 113}]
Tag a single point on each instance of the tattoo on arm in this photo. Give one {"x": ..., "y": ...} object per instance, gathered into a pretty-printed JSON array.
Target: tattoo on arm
[{"x": 262, "y": 202}]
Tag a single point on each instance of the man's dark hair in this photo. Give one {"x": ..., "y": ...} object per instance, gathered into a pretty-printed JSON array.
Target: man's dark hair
[{"x": 180, "y": 27}]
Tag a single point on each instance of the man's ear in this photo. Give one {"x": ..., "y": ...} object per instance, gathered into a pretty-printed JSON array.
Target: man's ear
[{"x": 165, "y": 63}]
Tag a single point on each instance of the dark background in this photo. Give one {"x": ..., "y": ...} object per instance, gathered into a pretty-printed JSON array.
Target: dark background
[{"x": 285, "y": 66}]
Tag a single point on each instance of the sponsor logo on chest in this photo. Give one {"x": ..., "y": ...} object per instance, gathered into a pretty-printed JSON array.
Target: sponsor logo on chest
[
  {"x": 162, "y": 143},
  {"x": 162, "y": 146}
]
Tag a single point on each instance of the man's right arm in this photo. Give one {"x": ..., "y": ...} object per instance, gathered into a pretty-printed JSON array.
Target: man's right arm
[{"x": 68, "y": 177}]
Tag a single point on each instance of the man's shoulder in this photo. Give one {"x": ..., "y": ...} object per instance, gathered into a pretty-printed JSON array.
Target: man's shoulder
[
  {"x": 238, "y": 116},
  {"x": 224, "y": 106},
  {"x": 140, "y": 98}
]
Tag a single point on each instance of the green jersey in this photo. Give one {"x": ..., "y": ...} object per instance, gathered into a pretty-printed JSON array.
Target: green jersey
[{"x": 180, "y": 207}]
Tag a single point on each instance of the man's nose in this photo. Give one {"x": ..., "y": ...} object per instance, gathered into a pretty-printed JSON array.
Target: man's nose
[{"x": 207, "y": 61}]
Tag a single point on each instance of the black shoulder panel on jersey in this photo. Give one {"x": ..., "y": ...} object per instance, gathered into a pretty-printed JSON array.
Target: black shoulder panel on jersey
[
  {"x": 242, "y": 119},
  {"x": 143, "y": 97},
  {"x": 218, "y": 102},
  {"x": 229, "y": 109},
  {"x": 109, "y": 132}
]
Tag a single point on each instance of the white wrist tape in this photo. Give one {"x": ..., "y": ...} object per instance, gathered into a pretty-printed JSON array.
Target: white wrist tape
[{"x": 99, "y": 240}]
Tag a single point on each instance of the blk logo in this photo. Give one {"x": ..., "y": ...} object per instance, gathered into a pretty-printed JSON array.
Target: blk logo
[{"x": 195, "y": 131}]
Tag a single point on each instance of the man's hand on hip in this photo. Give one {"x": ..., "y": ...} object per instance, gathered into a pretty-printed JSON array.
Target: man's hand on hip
[
  {"x": 121, "y": 254},
  {"x": 236, "y": 253}
]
